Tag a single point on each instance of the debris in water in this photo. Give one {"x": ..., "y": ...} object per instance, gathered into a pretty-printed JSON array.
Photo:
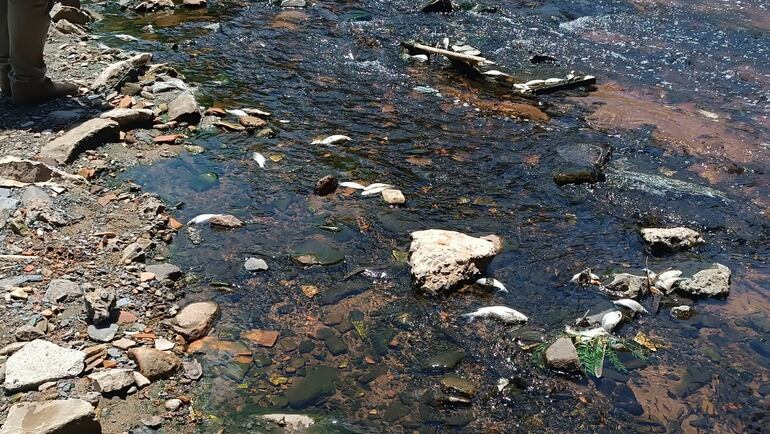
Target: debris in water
[
  {"x": 502, "y": 383},
  {"x": 542, "y": 58},
  {"x": 331, "y": 140},
  {"x": 682, "y": 312},
  {"x": 260, "y": 159},
  {"x": 645, "y": 341},
  {"x": 554, "y": 84},
  {"x": 586, "y": 334},
  {"x": 488, "y": 281},
  {"x": 503, "y": 313},
  {"x": 127, "y": 38}
]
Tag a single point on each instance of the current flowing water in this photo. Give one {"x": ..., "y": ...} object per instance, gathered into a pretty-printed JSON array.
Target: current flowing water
[{"x": 682, "y": 98}]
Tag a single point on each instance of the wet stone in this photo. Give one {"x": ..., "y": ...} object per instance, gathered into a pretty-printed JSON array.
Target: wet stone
[
  {"x": 691, "y": 380},
  {"x": 335, "y": 345},
  {"x": 577, "y": 175},
  {"x": 306, "y": 347},
  {"x": 562, "y": 355},
  {"x": 262, "y": 361},
  {"x": 458, "y": 385},
  {"x": 326, "y": 185},
  {"x": 444, "y": 361},
  {"x": 317, "y": 385},
  {"x": 288, "y": 344}
]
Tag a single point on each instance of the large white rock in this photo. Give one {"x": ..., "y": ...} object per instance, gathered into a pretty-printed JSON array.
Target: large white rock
[
  {"x": 440, "y": 260},
  {"x": 40, "y": 362},
  {"x": 71, "y": 416}
]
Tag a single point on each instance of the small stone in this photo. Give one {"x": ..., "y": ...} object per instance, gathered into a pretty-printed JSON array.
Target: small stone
[
  {"x": 562, "y": 355},
  {"x": 163, "y": 344},
  {"x": 154, "y": 364},
  {"x": 165, "y": 271},
  {"x": 192, "y": 370},
  {"x": 173, "y": 404},
  {"x": 124, "y": 344},
  {"x": 252, "y": 122},
  {"x": 27, "y": 333},
  {"x": 393, "y": 197},
  {"x": 682, "y": 312},
  {"x": 460, "y": 385},
  {"x": 194, "y": 320},
  {"x": 226, "y": 221},
  {"x": 146, "y": 277},
  {"x": 255, "y": 264},
  {"x": 264, "y": 338},
  {"x": 59, "y": 290},
  {"x": 19, "y": 294},
  {"x": 326, "y": 185},
  {"x": 112, "y": 380},
  {"x": 152, "y": 422},
  {"x": 103, "y": 334},
  {"x": 141, "y": 380}
]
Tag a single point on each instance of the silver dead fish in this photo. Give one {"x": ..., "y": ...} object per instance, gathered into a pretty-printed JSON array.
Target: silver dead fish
[
  {"x": 630, "y": 304},
  {"x": 586, "y": 277},
  {"x": 260, "y": 159},
  {"x": 586, "y": 334},
  {"x": 237, "y": 113},
  {"x": 488, "y": 281},
  {"x": 611, "y": 320},
  {"x": 503, "y": 313},
  {"x": 331, "y": 140},
  {"x": 354, "y": 185},
  {"x": 203, "y": 218}
]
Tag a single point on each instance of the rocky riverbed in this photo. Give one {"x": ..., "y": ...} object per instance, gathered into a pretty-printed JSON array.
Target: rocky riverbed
[{"x": 265, "y": 217}]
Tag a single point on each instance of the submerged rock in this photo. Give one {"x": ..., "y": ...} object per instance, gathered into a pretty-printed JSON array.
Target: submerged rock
[
  {"x": 562, "y": 355},
  {"x": 440, "y": 260},
  {"x": 626, "y": 285},
  {"x": 69, "y": 416},
  {"x": 226, "y": 221},
  {"x": 712, "y": 282},
  {"x": 444, "y": 361},
  {"x": 459, "y": 385},
  {"x": 39, "y": 362},
  {"x": 255, "y": 264},
  {"x": 581, "y": 163},
  {"x": 667, "y": 240},
  {"x": 326, "y": 185},
  {"x": 317, "y": 385}
]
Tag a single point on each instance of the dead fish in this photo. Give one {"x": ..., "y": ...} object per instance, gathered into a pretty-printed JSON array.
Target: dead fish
[
  {"x": 257, "y": 112},
  {"x": 127, "y": 38},
  {"x": 421, "y": 58},
  {"x": 630, "y": 304},
  {"x": 503, "y": 313},
  {"x": 376, "y": 190},
  {"x": 353, "y": 185},
  {"x": 331, "y": 140},
  {"x": 665, "y": 281},
  {"x": 488, "y": 281},
  {"x": 445, "y": 43},
  {"x": 534, "y": 83},
  {"x": 611, "y": 320},
  {"x": 494, "y": 73},
  {"x": 554, "y": 80},
  {"x": 237, "y": 113},
  {"x": 586, "y": 277},
  {"x": 377, "y": 185},
  {"x": 587, "y": 334},
  {"x": 203, "y": 218},
  {"x": 260, "y": 159},
  {"x": 502, "y": 383}
]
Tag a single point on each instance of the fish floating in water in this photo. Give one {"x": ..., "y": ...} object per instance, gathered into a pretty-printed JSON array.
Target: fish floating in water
[
  {"x": 586, "y": 277},
  {"x": 488, "y": 281},
  {"x": 665, "y": 281},
  {"x": 331, "y": 140},
  {"x": 376, "y": 188},
  {"x": 353, "y": 185},
  {"x": 586, "y": 334},
  {"x": 611, "y": 320},
  {"x": 127, "y": 38},
  {"x": 631, "y": 305},
  {"x": 503, "y": 313},
  {"x": 260, "y": 159},
  {"x": 237, "y": 113},
  {"x": 203, "y": 218}
]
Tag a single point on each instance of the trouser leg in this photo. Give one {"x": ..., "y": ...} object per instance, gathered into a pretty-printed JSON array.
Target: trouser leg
[
  {"x": 5, "y": 66},
  {"x": 28, "y": 23}
]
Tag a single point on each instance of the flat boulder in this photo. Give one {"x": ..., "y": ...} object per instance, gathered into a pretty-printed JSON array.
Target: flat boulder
[
  {"x": 668, "y": 240},
  {"x": 113, "y": 74},
  {"x": 88, "y": 135},
  {"x": 68, "y": 416},
  {"x": 129, "y": 118},
  {"x": 440, "y": 260},
  {"x": 155, "y": 364},
  {"x": 164, "y": 271},
  {"x": 39, "y": 362},
  {"x": 711, "y": 282},
  {"x": 194, "y": 320},
  {"x": 562, "y": 355}
]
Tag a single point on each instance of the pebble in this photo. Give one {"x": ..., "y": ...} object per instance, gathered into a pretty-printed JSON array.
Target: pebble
[
  {"x": 173, "y": 404},
  {"x": 105, "y": 334},
  {"x": 255, "y": 264}
]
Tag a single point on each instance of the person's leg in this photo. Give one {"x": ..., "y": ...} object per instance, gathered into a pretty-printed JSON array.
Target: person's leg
[
  {"x": 5, "y": 66},
  {"x": 28, "y": 23}
]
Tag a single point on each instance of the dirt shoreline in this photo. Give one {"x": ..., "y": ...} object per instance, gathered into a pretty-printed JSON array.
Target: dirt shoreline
[{"x": 77, "y": 231}]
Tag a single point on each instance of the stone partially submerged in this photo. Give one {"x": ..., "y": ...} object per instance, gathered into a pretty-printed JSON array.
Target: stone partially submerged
[
  {"x": 711, "y": 282},
  {"x": 667, "y": 240},
  {"x": 563, "y": 356},
  {"x": 194, "y": 320},
  {"x": 67, "y": 416},
  {"x": 440, "y": 260}
]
